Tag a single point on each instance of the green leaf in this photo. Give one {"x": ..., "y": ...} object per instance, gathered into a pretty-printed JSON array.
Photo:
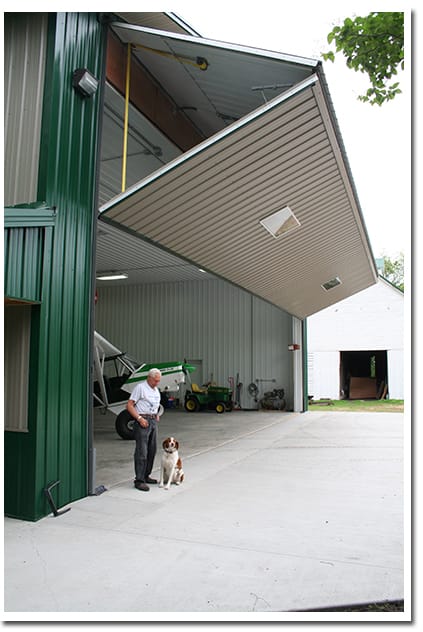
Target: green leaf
[
  {"x": 374, "y": 45},
  {"x": 330, "y": 56}
]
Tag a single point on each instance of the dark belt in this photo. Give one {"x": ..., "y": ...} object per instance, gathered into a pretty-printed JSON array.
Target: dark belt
[{"x": 148, "y": 416}]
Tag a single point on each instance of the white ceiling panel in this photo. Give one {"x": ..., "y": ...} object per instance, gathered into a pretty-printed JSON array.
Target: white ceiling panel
[{"x": 228, "y": 89}]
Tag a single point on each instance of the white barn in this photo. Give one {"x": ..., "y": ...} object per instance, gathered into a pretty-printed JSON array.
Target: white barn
[{"x": 356, "y": 347}]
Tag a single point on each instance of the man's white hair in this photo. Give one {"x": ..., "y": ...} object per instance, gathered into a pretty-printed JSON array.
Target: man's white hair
[{"x": 154, "y": 373}]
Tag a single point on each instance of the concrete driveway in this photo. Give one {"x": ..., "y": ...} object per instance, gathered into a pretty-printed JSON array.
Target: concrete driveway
[{"x": 279, "y": 513}]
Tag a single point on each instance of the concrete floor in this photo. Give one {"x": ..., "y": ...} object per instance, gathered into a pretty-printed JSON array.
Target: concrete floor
[{"x": 279, "y": 513}]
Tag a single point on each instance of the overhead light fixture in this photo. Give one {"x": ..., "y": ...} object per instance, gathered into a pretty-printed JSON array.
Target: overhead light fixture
[
  {"x": 280, "y": 222},
  {"x": 111, "y": 276},
  {"x": 329, "y": 285},
  {"x": 84, "y": 82}
]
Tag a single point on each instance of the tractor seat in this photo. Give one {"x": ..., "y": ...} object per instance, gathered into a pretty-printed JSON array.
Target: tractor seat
[{"x": 197, "y": 389}]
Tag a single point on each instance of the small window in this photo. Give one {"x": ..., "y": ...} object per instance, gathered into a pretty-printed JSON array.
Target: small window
[
  {"x": 17, "y": 332},
  {"x": 280, "y": 222}
]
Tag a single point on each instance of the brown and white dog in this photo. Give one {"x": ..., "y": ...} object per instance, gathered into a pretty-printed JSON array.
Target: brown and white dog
[{"x": 171, "y": 467}]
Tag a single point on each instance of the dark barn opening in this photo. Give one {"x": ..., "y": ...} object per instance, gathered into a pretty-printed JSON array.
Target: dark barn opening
[{"x": 364, "y": 374}]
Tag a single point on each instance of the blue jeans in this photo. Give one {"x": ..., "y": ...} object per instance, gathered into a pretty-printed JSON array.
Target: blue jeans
[{"x": 145, "y": 448}]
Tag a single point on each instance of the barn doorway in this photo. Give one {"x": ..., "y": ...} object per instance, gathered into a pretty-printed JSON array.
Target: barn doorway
[{"x": 364, "y": 374}]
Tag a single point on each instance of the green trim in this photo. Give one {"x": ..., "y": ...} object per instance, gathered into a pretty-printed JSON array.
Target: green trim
[
  {"x": 29, "y": 216},
  {"x": 22, "y": 301},
  {"x": 305, "y": 366}
]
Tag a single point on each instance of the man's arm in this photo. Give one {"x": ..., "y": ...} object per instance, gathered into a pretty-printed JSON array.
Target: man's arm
[{"x": 130, "y": 407}]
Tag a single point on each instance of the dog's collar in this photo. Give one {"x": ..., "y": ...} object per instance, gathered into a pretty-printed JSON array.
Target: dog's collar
[{"x": 169, "y": 451}]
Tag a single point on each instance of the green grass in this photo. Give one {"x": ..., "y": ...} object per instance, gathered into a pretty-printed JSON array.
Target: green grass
[{"x": 358, "y": 405}]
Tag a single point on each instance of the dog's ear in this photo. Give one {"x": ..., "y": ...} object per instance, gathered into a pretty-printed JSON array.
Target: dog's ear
[
  {"x": 164, "y": 444},
  {"x": 177, "y": 444}
]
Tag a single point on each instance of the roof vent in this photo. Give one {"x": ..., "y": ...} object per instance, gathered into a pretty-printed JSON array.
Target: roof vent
[
  {"x": 280, "y": 222},
  {"x": 329, "y": 285}
]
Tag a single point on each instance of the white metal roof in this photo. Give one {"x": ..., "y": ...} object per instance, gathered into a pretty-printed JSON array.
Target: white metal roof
[
  {"x": 206, "y": 205},
  {"x": 166, "y": 20}
]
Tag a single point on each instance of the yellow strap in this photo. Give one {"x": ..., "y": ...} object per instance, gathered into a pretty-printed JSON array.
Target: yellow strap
[
  {"x": 125, "y": 126},
  {"x": 202, "y": 64}
]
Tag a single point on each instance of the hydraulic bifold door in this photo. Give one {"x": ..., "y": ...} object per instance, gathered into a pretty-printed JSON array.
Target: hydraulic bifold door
[{"x": 267, "y": 203}]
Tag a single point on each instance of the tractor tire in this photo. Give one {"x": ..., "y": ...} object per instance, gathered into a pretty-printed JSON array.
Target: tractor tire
[
  {"x": 192, "y": 405},
  {"x": 229, "y": 406},
  {"x": 220, "y": 407},
  {"x": 124, "y": 425}
]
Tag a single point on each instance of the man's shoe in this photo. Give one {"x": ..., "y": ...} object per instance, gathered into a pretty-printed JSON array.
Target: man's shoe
[
  {"x": 152, "y": 481},
  {"x": 141, "y": 486}
]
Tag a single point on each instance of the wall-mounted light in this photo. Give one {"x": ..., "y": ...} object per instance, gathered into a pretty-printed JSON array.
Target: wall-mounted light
[
  {"x": 111, "y": 276},
  {"x": 84, "y": 82}
]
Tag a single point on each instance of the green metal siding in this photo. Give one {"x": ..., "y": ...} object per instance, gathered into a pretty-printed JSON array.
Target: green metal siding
[
  {"x": 20, "y": 456},
  {"x": 71, "y": 158},
  {"x": 58, "y": 438},
  {"x": 23, "y": 250}
]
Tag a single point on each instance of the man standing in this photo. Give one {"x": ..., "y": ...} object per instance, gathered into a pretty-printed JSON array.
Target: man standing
[{"x": 143, "y": 405}]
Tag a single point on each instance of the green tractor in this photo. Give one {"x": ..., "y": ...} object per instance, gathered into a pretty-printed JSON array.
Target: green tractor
[{"x": 218, "y": 398}]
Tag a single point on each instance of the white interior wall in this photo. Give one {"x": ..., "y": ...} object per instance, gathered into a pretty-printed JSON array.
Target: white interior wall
[{"x": 229, "y": 330}]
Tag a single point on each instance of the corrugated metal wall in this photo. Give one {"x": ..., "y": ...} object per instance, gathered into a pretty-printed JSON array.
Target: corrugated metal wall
[
  {"x": 17, "y": 330},
  {"x": 24, "y": 65},
  {"x": 228, "y": 329},
  {"x": 71, "y": 125},
  {"x": 56, "y": 446},
  {"x": 23, "y": 250}
]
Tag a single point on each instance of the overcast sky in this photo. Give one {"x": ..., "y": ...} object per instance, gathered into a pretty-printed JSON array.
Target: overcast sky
[{"x": 377, "y": 139}]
